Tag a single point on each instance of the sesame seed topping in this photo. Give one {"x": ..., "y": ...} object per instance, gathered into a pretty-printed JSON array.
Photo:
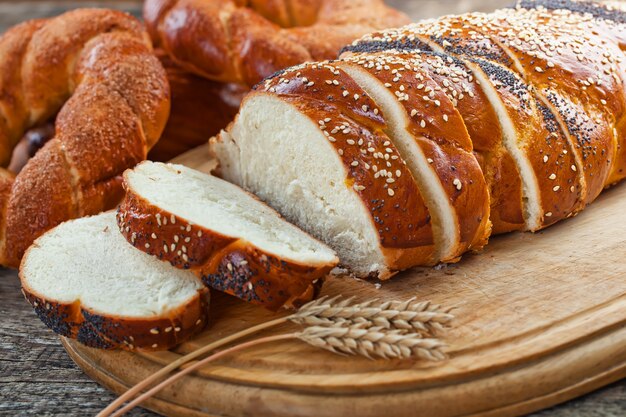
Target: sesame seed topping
[
  {"x": 390, "y": 192},
  {"x": 457, "y": 183},
  {"x": 552, "y": 176},
  {"x": 556, "y": 188},
  {"x": 154, "y": 331},
  {"x": 168, "y": 329},
  {"x": 548, "y": 214}
]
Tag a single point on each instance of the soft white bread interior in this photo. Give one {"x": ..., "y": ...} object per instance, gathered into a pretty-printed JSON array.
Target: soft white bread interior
[
  {"x": 86, "y": 282},
  {"x": 291, "y": 164},
  {"x": 203, "y": 223}
]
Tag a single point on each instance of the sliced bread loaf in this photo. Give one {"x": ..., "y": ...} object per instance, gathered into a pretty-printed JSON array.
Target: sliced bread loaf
[
  {"x": 87, "y": 283},
  {"x": 227, "y": 237},
  {"x": 313, "y": 144}
]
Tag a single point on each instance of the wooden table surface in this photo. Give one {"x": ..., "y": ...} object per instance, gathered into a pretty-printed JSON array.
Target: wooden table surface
[{"x": 36, "y": 375}]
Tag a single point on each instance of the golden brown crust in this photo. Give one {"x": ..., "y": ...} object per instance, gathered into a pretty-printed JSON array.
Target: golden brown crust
[
  {"x": 114, "y": 332},
  {"x": 563, "y": 95},
  {"x": 97, "y": 68},
  {"x": 200, "y": 109},
  {"x": 244, "y": 42},
  {"x": 224, "y": 263}
]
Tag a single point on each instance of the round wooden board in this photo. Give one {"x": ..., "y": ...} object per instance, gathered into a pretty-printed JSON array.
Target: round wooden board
[{"x": 541, "y": 318}]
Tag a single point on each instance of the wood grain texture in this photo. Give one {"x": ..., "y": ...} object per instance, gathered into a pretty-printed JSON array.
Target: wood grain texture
[
  {"x": 541, "y": 318},
  {"x": 36, "y": 375}
]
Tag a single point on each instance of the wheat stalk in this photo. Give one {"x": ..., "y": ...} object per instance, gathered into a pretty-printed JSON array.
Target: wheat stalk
[
  {"x": 372, "y": 342},
  {"x": 422, "y": 317},
  {"x": 388, "y": 330}
]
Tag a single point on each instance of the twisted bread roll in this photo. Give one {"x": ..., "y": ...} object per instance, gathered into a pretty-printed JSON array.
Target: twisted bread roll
[
  {"x": 200, "y": 109},
  {"x": 96, "y": 69},
  {"x": 534, "y": 95},
  {"x": 243, "y": 41}
]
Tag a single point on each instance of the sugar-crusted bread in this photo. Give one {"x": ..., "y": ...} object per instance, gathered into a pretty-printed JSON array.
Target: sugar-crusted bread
[{"x": 86, "y": 282}]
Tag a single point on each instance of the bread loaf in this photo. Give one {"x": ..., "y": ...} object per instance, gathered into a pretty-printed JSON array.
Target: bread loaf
[
  {"x": 94, "y": 69},
  {"x": 87, "y": 283},
  {"x": 514, "y": 118},
  {"x": 233, "y": 242},
  {"x": 245, "y": 41}
]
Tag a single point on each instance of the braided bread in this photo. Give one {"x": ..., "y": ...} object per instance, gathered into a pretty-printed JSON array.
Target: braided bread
[
  {"x": 95, "y": 68},
  {"x": 244, "y": 41},
  {"x": 488, "y": 123},
  {"x": 200, "y": 109}
]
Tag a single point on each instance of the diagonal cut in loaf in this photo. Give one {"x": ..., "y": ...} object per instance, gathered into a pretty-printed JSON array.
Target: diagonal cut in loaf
[
  {"x": 87, "y": 283},
  {"x": 231, "y": 240}
]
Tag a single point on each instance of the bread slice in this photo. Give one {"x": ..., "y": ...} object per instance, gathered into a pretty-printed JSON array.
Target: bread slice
[
  {"x": 431, "y": 136},
  {"x": 87, "y": 283},
  {"x": 227, "y": 237},
  {"x": 531, "y": 134},
  {"x": 312, "y": 144}
]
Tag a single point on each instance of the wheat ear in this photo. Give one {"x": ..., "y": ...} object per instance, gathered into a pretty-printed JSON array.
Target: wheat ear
[
  {"x": 372, "y": 329},
  {"x": 423, "y": 317}
]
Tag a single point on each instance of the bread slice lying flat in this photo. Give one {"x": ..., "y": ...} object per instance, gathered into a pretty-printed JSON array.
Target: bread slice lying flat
[
  {"x": 228, "y": 238},
  {"x": 87, "y": 283}
]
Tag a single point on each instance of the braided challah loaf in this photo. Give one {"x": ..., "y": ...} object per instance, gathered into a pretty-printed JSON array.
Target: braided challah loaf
[
  {"x": 200, "y": 109},
  {"x": 243, "y": 41},
  {"x": 95, "y": 68},
  {"x": 408, "y": 149}
]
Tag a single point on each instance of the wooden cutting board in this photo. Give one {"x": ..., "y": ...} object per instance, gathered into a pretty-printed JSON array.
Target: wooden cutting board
[{"x": 541, "y": 318}]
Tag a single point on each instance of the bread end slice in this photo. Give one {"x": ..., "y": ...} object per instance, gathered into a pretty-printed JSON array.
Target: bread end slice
[{"x": 86, "y": 283}]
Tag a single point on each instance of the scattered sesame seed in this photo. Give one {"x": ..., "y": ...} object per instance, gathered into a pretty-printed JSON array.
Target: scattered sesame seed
[
  {"x": 556, "y": 188},
  {"x": 390, "y": 192},
  {"x": 548, "y": 214}
]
